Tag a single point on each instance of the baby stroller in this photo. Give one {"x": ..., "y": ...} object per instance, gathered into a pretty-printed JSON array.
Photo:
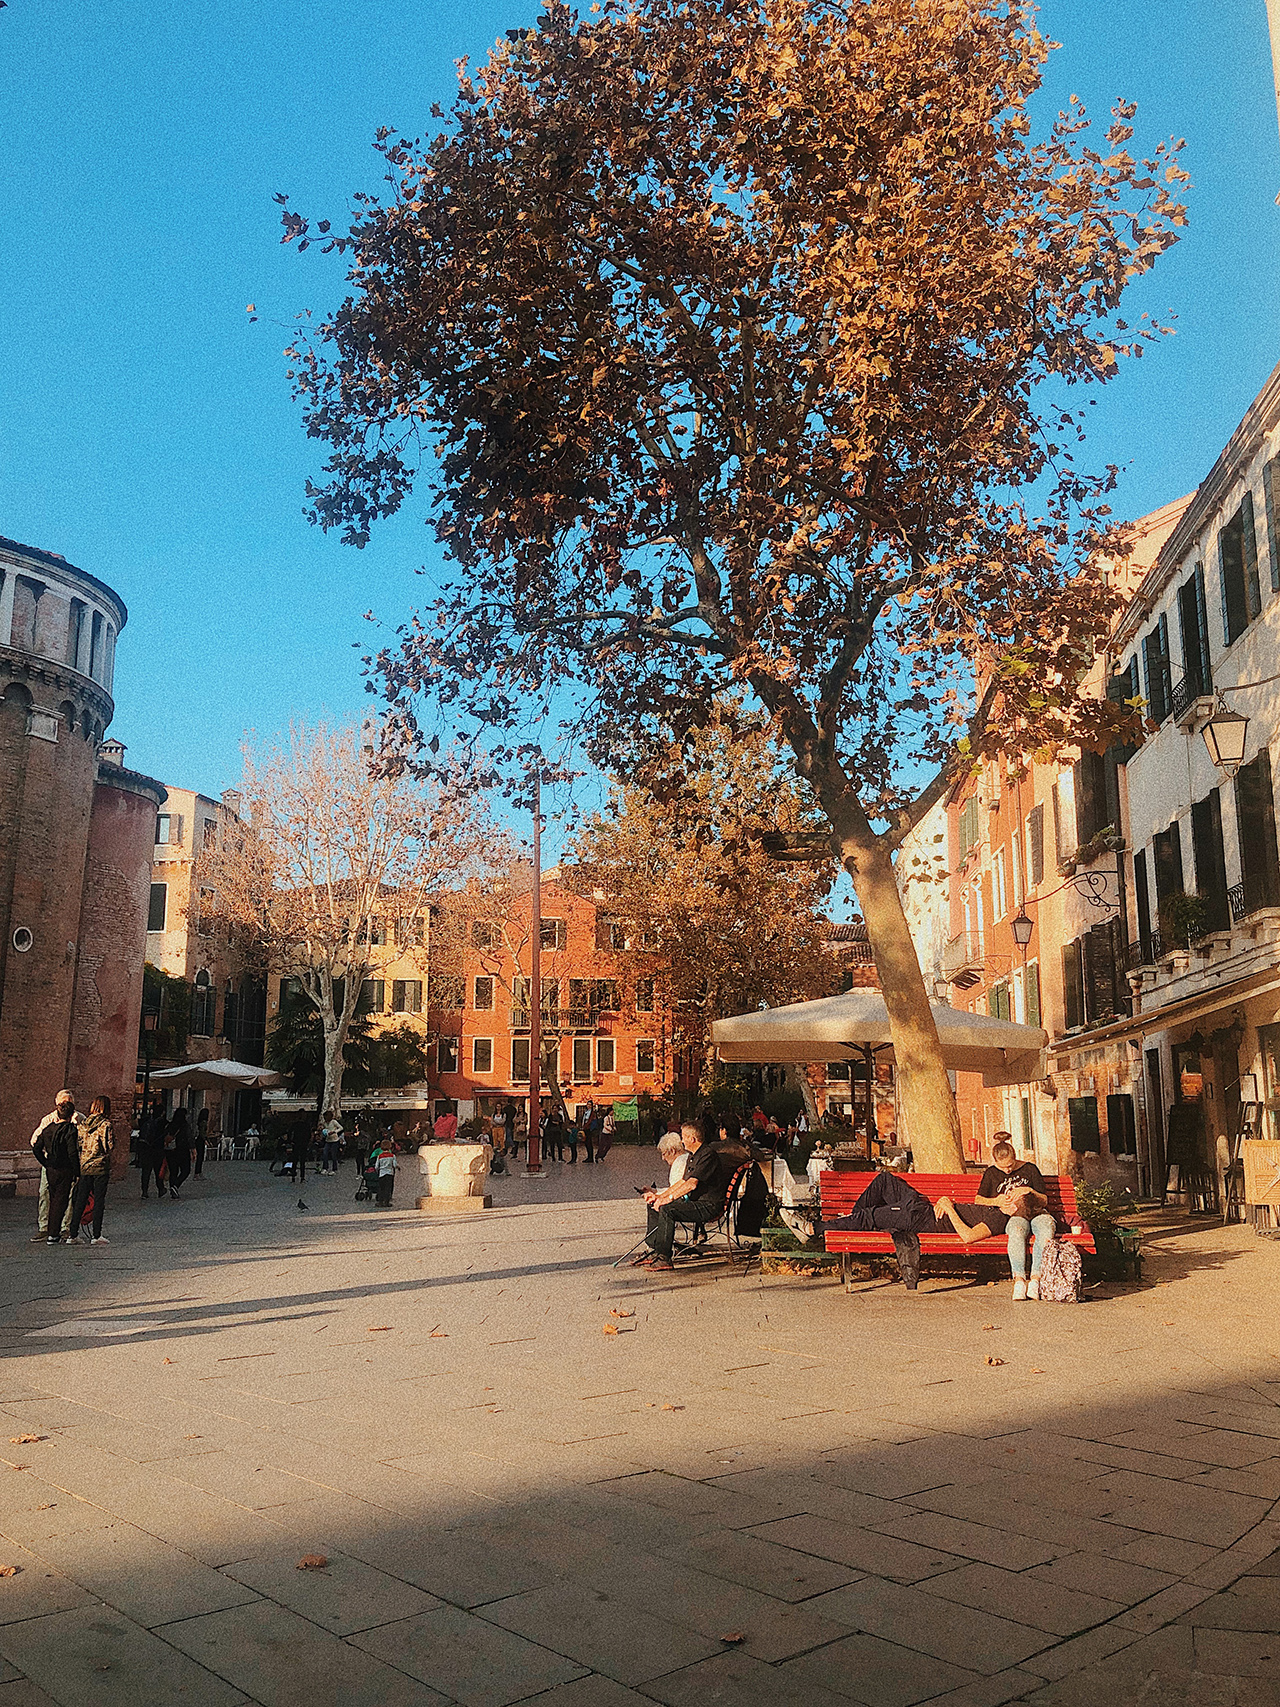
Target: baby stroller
[{"x": 368, "y": 1186}]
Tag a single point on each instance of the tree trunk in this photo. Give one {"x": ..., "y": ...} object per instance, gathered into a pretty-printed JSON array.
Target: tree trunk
[
  {"x": 925, "y": 1097},
  {"x": 805, "y": 1085},
  {"x": 333, "y": 1064}
]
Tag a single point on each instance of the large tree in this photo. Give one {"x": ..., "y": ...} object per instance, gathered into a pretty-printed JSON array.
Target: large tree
[
  {"x": 734, "y": 339},
  {"x": 340, "y": 850},
  {"x": 718, "y": 926}
]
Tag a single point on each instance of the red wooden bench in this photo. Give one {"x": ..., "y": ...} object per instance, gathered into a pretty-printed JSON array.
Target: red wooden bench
[{"x": 838, "y": 1191}]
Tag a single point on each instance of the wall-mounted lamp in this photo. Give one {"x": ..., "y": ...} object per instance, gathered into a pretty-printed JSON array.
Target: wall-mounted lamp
[
  {"x": 1022, "y": 927},
  {"x": 1224, "y": 736}
]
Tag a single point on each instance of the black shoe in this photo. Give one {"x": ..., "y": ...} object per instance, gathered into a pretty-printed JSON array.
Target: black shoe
[{"x": 906, "y": 1248}]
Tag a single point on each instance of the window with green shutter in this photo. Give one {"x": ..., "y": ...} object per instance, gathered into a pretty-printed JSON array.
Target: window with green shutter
[{"x": 1033, "y": 993}]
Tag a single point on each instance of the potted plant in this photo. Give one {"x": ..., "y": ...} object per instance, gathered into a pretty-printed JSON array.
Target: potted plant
[
  {"x": 1184, "y": 919},
  {"x": 1101, "y": 1207}
]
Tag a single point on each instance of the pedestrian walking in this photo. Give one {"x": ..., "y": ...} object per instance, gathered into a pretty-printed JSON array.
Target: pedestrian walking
[
  {"x": 177, "y": 1148},
  {"x": 202, "y": 1138},
  {"x": 97, "y": 1141},
  {"x": 383, "y": 1162},
  {"x": 57, "y": 1149},
  {"x": 593, "y": 1131},
  {"x": 608, "y": 1127},
  {"x": 64, "y": 1109},
  {"x": 151, "y": 1151}
]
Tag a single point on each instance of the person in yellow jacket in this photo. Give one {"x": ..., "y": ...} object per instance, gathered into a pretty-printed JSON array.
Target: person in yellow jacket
[{"x": 97, "y": 1141}]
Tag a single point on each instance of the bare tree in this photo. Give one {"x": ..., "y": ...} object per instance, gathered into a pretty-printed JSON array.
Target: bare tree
[{"x": 341, "y": 850}]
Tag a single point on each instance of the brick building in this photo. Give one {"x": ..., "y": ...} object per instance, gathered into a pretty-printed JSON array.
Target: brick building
[
  {"x": 600, "y": 996},
  {"x": 75, "y": 852}
]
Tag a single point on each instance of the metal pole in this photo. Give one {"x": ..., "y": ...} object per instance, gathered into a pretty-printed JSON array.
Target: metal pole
[{"x": 533, "y": 1155}]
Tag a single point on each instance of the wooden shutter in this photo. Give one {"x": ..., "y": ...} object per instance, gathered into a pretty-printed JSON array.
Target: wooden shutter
[
  {"x": 1033, "y": 993},
  {"x": 1235, "y": 603},
  {"x": 1210, "y": 859},
  {"x": 1142, "y": 898},
  {"x": 1271, "y": 500},
  {"x": 1249, "y": 554},
  {"x": 1035, "y": 844},
  {"x": 1073, "y": 1010}
]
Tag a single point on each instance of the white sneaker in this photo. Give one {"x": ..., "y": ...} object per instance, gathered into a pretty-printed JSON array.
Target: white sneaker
[
  {"x": 102, "y": 1239},
  {"x": 1033, "y": 1289},
  {"x": 1019, "y": 1290}
]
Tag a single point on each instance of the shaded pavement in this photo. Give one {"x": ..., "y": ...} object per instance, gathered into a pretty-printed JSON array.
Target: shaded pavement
[{"x": 756, "y": 1490}]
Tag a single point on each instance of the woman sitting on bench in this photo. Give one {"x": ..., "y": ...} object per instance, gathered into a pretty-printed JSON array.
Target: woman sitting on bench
[{"x": 1011, "y": 1199}]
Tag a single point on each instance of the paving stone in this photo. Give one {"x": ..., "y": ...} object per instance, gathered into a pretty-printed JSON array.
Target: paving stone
[
  {"x": 345, "y": 1597},
  {"x": 37, "y": 1589},
  {"x": 146, "y": 1579},
  {"x": 278, "y": 1658},
  {"x": 979, "y": 1541},
  {"x": 1159, "y": 1671},
  {"x": 469, "y": 1659},
  {"x": 603, "y": 1632},
  {"x": 859, "y": 1549},
  {"x": 1020, "y": 1596},
  {"x": 1012, "y": 1685},
  {"x": 245, "y": 1480},
  {"x": 591, "y": 1691},
  {"x": 1252, "y": 1604},
  {"x": 93, "y": 1656},
  {"x": 773, "y": 1630},
  {"x": 1164, "y": 1553},
  {"x": 734, "y": 1679},
  {"x": 24, "y": 1693},
  {"x": 1237, "y": 1653},
  {"x": 878, "y": 1673},
  {"x": 808, "y": 1494},
  {"x": 782, "y": 1572},
  {"x": 962, "y": 1635}
]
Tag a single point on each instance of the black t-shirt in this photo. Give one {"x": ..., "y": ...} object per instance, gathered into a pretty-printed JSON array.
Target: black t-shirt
[
  {"x": 995, "y": 1181},
  {"x": 706, "y": 1166}
]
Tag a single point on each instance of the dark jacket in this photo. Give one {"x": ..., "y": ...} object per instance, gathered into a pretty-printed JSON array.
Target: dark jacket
[
  {"x": 58, "y": 1148},
  {"x": 890, "y": 1204}
]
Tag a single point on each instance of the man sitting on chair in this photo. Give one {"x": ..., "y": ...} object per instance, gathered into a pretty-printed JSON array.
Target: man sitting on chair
[{"x": 696, "y": 1199}]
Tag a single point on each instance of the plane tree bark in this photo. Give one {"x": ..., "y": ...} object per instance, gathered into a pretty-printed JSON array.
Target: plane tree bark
[{"x": 738, "y": 345}]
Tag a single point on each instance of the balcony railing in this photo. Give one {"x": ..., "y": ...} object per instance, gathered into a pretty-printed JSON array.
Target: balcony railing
[
  {"x": 1238, "y": 903},
  {"x": 1154, "y": 951},
  {"x": 556, "y": 1019},
  {"x": 962, "y": 959}
]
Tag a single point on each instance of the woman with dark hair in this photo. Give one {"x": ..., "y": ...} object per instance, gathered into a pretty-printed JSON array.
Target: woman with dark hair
[
  {"x": 177, "y": 1146},
  {"x": 96, "y": 1144}
]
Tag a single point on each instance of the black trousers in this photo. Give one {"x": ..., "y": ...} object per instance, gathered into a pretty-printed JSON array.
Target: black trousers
[
  {"x": 571, "y": 1145},
  {"x": 149, "y": 1163},
  {"x": 97, "y": 1184},
  {"x": 386, "y": 1185},
  {"x": 589, "y": 1145},
  {"x": 661, "y": 1237},
  {"x": 61, "y": 1181},
  {"x": 200, "y": 1144},
  {"x": 179, "y": 1167}
]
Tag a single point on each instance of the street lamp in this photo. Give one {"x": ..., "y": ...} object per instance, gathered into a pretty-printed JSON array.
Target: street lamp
[
  {"x": 1224, "y": 735},
  {"x": 1022, "y": 927},
  {"x": 149, "y": 1024}
]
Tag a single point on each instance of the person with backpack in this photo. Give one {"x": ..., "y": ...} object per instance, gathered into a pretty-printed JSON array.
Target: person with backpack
[
  {"x": 97, "y": 1141},
  {"x": 64, "y": 1109},
  {"x": 56, "y": 1144}
]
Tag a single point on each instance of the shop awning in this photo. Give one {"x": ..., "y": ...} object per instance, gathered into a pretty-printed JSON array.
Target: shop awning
[
  {"x": 217, "y": 1076},
  {"x": 837, "y": 1028}
]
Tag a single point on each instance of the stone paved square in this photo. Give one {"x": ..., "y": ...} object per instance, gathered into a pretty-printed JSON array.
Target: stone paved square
[{"x": 758, "y": 1491}]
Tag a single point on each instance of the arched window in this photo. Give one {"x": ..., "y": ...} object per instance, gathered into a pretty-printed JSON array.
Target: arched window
[{"x": 202, "y": 1006}]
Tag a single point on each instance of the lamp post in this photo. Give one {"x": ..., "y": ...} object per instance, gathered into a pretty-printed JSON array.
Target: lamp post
[
  {"x": 533, "y": 1150},
  {"x": 1022, "y": 927},
  {"x": 149, "y": 1024},
  {"x": 1224, "y": 736}
]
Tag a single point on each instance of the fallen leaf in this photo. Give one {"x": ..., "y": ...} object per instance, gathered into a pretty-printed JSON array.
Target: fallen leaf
[
  {"x": 19, "y": 1466},
  {"x": 193, "y": 1437},
  {"x": 622, "y": 1314},
  {"x": 611, "y": 1327},
  {"x": 379, "y": 1330},
  {"x": 673, "y": 1407},
  {"x": 989, "y": 1328},
  {"x": 1168, "y": 1324},
  {"x": 48, "y": 1507},
  {"x": 26, "y": 1439},
  {"x": 993, "y": 1361},
  {"x": 1037, "y": 1371},
  {"x": 168, "y": 1360},
  {"x": 9, "y": 1570},
  {"x": 436, "y": 1334},
  {"x": 734, "y": 1636},
  {"x": 312, "y": 1562}
]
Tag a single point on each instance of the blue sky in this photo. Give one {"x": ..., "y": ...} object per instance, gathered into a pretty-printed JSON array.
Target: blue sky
[{"x": 146, "y": 426}]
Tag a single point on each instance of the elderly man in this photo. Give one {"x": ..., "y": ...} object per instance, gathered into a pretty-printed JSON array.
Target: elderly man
[
  {"x": 696, "y": 1199},
  {"x": 64, "y": 1113}
]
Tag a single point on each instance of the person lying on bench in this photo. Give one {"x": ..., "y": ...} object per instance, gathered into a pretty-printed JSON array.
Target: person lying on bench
[
  {"x": 697, "y": 1198},
  {"x": 1010, "y": 1199}
]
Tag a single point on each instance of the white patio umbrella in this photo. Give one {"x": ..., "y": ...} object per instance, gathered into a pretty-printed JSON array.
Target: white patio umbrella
[
  {"x": 837, "y": 1028},
  {"x": 217, "y": 1076}
]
